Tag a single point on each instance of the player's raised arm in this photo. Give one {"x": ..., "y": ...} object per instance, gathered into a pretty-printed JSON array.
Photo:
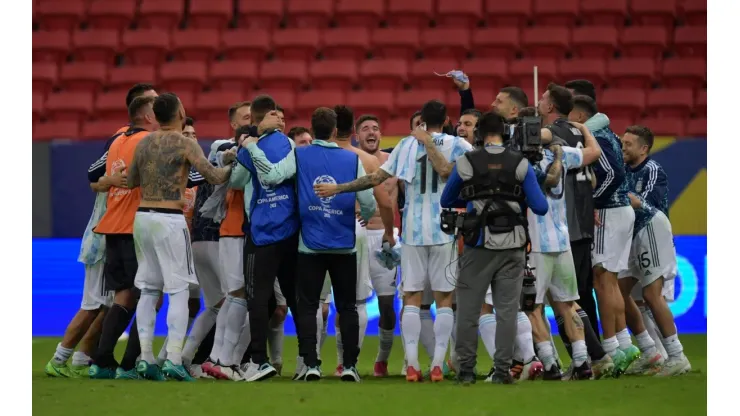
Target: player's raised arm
[{"x": 194, "y": 155}]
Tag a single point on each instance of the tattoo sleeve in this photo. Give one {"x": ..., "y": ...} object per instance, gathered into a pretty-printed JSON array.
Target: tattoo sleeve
[
  {"x": 554, "y": 171},
  {"x": 133, "y": 179},
  {"x": 577, "y": 322},
  {"x": 439, "y": 162},
  {"x": 365, "y": 182},
  {"x": 213, "y": 175}
]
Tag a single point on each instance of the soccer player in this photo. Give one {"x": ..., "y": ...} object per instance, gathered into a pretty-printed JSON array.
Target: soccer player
[
  {"x": 300, "y": 135},
  {"x": 509, "y": 102},
  {"x": 427, "y": 253},
  {"x": 652, "y": 257}
]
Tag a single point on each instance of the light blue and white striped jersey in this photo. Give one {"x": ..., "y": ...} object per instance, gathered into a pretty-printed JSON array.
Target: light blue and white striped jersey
[
  {"x": 422, "y": 209},
  {"x": 92, "y": 249},
  {"x": 549, "y": 233}
]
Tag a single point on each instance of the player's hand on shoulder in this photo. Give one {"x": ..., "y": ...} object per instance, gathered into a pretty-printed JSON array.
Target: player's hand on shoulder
[
  {"x": 246, "y": 141},
  {"x": 270, "y": 122},
  {"x": 421, "y": 134},
  {"x": 229, "y": 155}
]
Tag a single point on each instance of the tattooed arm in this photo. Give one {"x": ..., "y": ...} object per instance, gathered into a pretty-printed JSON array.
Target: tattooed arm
[
  {"x": 365, "y": 182},
  {"x": 436, "y": 158},
  {"x": 134, "y": 175},
  {"x": 555, "y": 170},
  {"x": 197, "y": 159}
]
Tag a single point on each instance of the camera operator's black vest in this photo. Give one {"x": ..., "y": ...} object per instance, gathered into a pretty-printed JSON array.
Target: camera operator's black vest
[{"x": 579, "y": 201}]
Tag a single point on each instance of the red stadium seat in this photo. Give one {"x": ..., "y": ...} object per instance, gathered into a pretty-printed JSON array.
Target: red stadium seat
[
  {"x": 556, "y": 13},
  {"x": 377, "y": 101},
  {"x": 296, "y": 43},
  {"x": 214, "y": 105},
  {"x": 161, "y": 14},
  {"x": 631, "y": 73},
  {"x": 38, "y": 107},
  {"x": 210, "y": 14},
  {"x": 44, "y": 77},
  {"x": 409, "y": 101},
  {"x": 345, "y": 43},
  {"x": 500, "y": 43},
  {"x": 644, "y": 42},
  {"x": 283, "y": 75},
  {"x": 61, "y": 15},
  {"x": 546, "y": 42},
  {"x": 396, "y": 127},
  {"x": 694, "y": 12},
  {"x": 445, "y": 43},
  {"x": 422, "y": 73},
  {"x": 234, "y": 76},
  {"x": 213, "y": 129},
  {"x": 56, "y": 130},
  {"x": 508, "y": 13},
  {"x": 396, "y": 43},
  {"x": 662, "y": 126},
  {"x": 622, "y": 103},
  {"x": 333, "y": 74},
  {"x": 309, "y": 13},
  {"x": 111, "y": 15},
  {"x": 96, "y": 45},
  {"x": 684, "y": 73},
  {"x": 246, "y": 44},
  {"x": 183, "y": 76},
  {"x": 98, "y": 130},
  {"x": 410, "y": 13},
  {"x": 383, "y": 74},
  {"x": 307, "y": 102},
  {"x": 486, "y": 74},
  {"x": 604, "y": 12},
  {"x": 595, "y": 41},
  {"x": 69, "y": 106},
  {"x": 83, "y": 76},
  {"x": 691, "y": 41},
  {"x": 701, "y": 103},
  {"x": 124, "y": 77},
  {"x": 196, "y": 44},
  {"x": 145, "y": 47},
  {"x": 619, "y": 125},
  {"x": 112, "y": 105},
  {"x": 521, "y": 74},
  {"x": 359, "y": 13},
  {"x": 187, "y": 98},
  {"x": 654, "y": 12},
  {"x": 670, "y": 103},
  {"x": 50, "y": 46},
  {"x": 697, "y": 127},
  {"x": 593, "y": 70},
  {"x": 284, "y": 98},
  {"x": 260, "y": 14},
  {"x": 459, "y": 13}
]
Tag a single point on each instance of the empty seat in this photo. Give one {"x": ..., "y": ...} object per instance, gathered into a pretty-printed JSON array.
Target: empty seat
[
  {"x": 631, "y": 73},
  {"x": 210, "y": 14},
  {"x": 126, "y": 76},
  {"x": 148, "y": 46},
  {"x": 359, "y": 13},
  {"x": 56, "y": 130},
  {"x": 508, "y": 13},
  {"x": 61, "y": 15},
  {"x": 37, "y": 101},
  {"x": 487, "y": 74},
  {"x": 213, "y": 105},
  {"x": 397, "y": 126},
  {"x": 694, "y": 12},
  {"x": 396, "y": 43},
  {"x": 545, "y": 42},
  {"x": 500, "y": 42},
  {"x": 409, "y": 101},
  {"x": 283, "y": 75},
  {"x": 701, "y": 103},
  {"x": 670, "y": 102},
  {"x": 69, "y": 106},
  {"x": 83, "y": 76},
  {"x": 245, "y": 44},
  {"x": 644, "y": 42},
  {"x": 457, "y": 13},
  {"x": 604, "y": 12},
  {"x": 691, "y": 41},
  {"x": 96, "y": 45},
  {"x": 161, "y": 14},
  {"x": 662, "y": 126},
  {"x": 445, "y": 43},
  {"x": 50, "y": 46},
  {"x": 187, "y": 98},
  {"x": 196, "y": 44},
  {"x": 697, "y": 127},
  {"x": 296, "y": 43},
  {"x": 239, "y": 76},
  {"x": 684, "y": 73},
  {"x": 183, "y": 76},
  {"x": 307, "y": 102},
  {"x": 410, "y": 13},
  {"x": 111, "y": 15},
  {"x": 593, "y": 70},
  {"x": 333, "y": 74},
  {"x": 284, "y": 98},
  {"x": 208, "y": 129},
  {"x": 260, "y": 14},
  {"x": 595, "y": 41},
  {"x": 44, "y": 77},
  {"x": 653, "y": 12},
  {"x": 99, "y": 130},
  {"x": 619, "y": 125},
  {"x": 309, "y": 13},
  {"x": 521, "y": 74},
  {"x": 556, "y": 13},
  {"x": 111, "y": 105},
  {"x": 622, "y": 103},
  {"x": 422, "y": 73},
  {"x": 345, "y": 43},
  {"x": 384, "y": 74},
  {"x": 377, "y": 101}
]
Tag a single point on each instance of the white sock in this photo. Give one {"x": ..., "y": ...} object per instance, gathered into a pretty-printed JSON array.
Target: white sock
[
  {"x": 201, "y": 326},
  {"x": 244, "y": 338},
  {"x": 545, "y": 352},
  {"x": 487, "y": 328},
  {"x": 324, "y": 327},
  {"x": 580, "y": 352},
  {"x": 319, "y": 331},
  {"x": 523, "y": 347},
  {"x": 645, "y": 343},
  {"x": 146, "y": 315},
  {"x": 362, "y": 315},
  {"x": 385, "y": 344},
  {"x": 442, "y": 331},
  {"x": 426, "y": 334},
  {"x": 652, "y": 329},
  {"x": 62, "y": 354},
  {"x": 340, "y": 346},
  {"x": 610, "y": 345},
  {"x": 275, "y": 340},
  {"x": 177, "y": 325},
  {"x": 218, "y": 339},
  {"x": 162, "y": 356},
  {"x": 79, "y": 358},
  {"x": 411, "y": 330},
  {"x": 453, "y": 337},
  {"x": 624, "y": 339},
  {"x": 549, "y": 332},
  {"x": 232, "y": 333},
  {"x": 673, "y": 346}
]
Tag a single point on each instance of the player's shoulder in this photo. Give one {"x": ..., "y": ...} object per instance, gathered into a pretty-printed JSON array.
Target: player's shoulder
[{"x": 652, "y": 165}]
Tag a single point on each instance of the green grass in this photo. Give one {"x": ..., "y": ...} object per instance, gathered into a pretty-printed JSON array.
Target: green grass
[{"x": 685, "y": 395}]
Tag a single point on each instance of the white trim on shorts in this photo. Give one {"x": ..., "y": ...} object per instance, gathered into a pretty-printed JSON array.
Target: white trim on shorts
[
  {"x": 612, "y": 240},
  {"x": 94, "y": 295}
]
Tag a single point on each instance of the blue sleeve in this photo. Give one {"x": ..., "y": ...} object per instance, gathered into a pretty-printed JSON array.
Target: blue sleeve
[
  {"x": 245, "y": 159},
  {"x": 451, "y": 194},
  {"x": 608, "y": 170},
  {"x": 536, "y": 200},
  {"x": 195, "y": 178},
  {"x": 97, "y": 169},
  {"x": 655, "y": 190}
]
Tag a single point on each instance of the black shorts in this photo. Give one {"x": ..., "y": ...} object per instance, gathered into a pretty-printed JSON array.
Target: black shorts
[
  {"x": 120, "y": 262},
  {"x": 581, "y": 251}
]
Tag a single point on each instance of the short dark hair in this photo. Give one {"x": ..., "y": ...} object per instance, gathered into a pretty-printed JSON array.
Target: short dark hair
[
  {"x": 517, "y": 95},
  {"x": 528, "y": 112},
  {"x": 137, "y": 91},
  {"x": 490, "y": 124},
  {"x": 586, "y": 104},
  {"x": 236, "y": 106},
  {"x": 366, "y": 117},
  {"x": 561, "y": 98},
  {"x": 582, "y": 87},
  {"x": 241, "y": 130},
  {"x": 280, "y": 109},
  {"x": 434, "y": 113},
  {"x": 297, "y": 131},
  {"x": 189, "y": 121},
  {"x": 323, "y": 123},
  {"x": 261, "y": 105},
  {"x": 473, "y": 112},
  {"x": 166, "y": 107},
  {"x": 411, "y": 120},
  {"x": 644, "y": 133},
  {"x": 137, "y": 104},
  {"x": 345, "y": 120}
]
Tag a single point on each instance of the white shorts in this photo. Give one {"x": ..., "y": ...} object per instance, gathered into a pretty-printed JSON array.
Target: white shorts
[
  {"x": 364, "y": 285},
  {"x": 489, "y": 297},
  {"x": 94, "y": 294},
  {"x": 432, "y": 264},
  {"x": 382, "y": 279},
  {"x": 612, "y": 240},
  {"x": 427, "y": 295},
  {"x": 652, "y": 254},
  {"x": 668, "y": 291},
  {"x": 231, "y": 259},
  {"x": 208, "y": 269},
  {"x": 279, "y": 294},
  {"x": 163, "y": 252},
  {"x": 555, "y": 272}
]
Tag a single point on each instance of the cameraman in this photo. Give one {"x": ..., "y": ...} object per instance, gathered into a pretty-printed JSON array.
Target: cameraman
[{"x": 496, "y": 181}]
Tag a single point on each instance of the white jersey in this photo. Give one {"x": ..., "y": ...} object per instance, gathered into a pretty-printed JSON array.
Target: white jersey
[{"x": 92, "y": 248}]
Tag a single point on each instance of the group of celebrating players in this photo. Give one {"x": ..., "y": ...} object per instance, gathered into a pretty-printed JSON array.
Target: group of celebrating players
[{"x": 169, "y": 219}]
